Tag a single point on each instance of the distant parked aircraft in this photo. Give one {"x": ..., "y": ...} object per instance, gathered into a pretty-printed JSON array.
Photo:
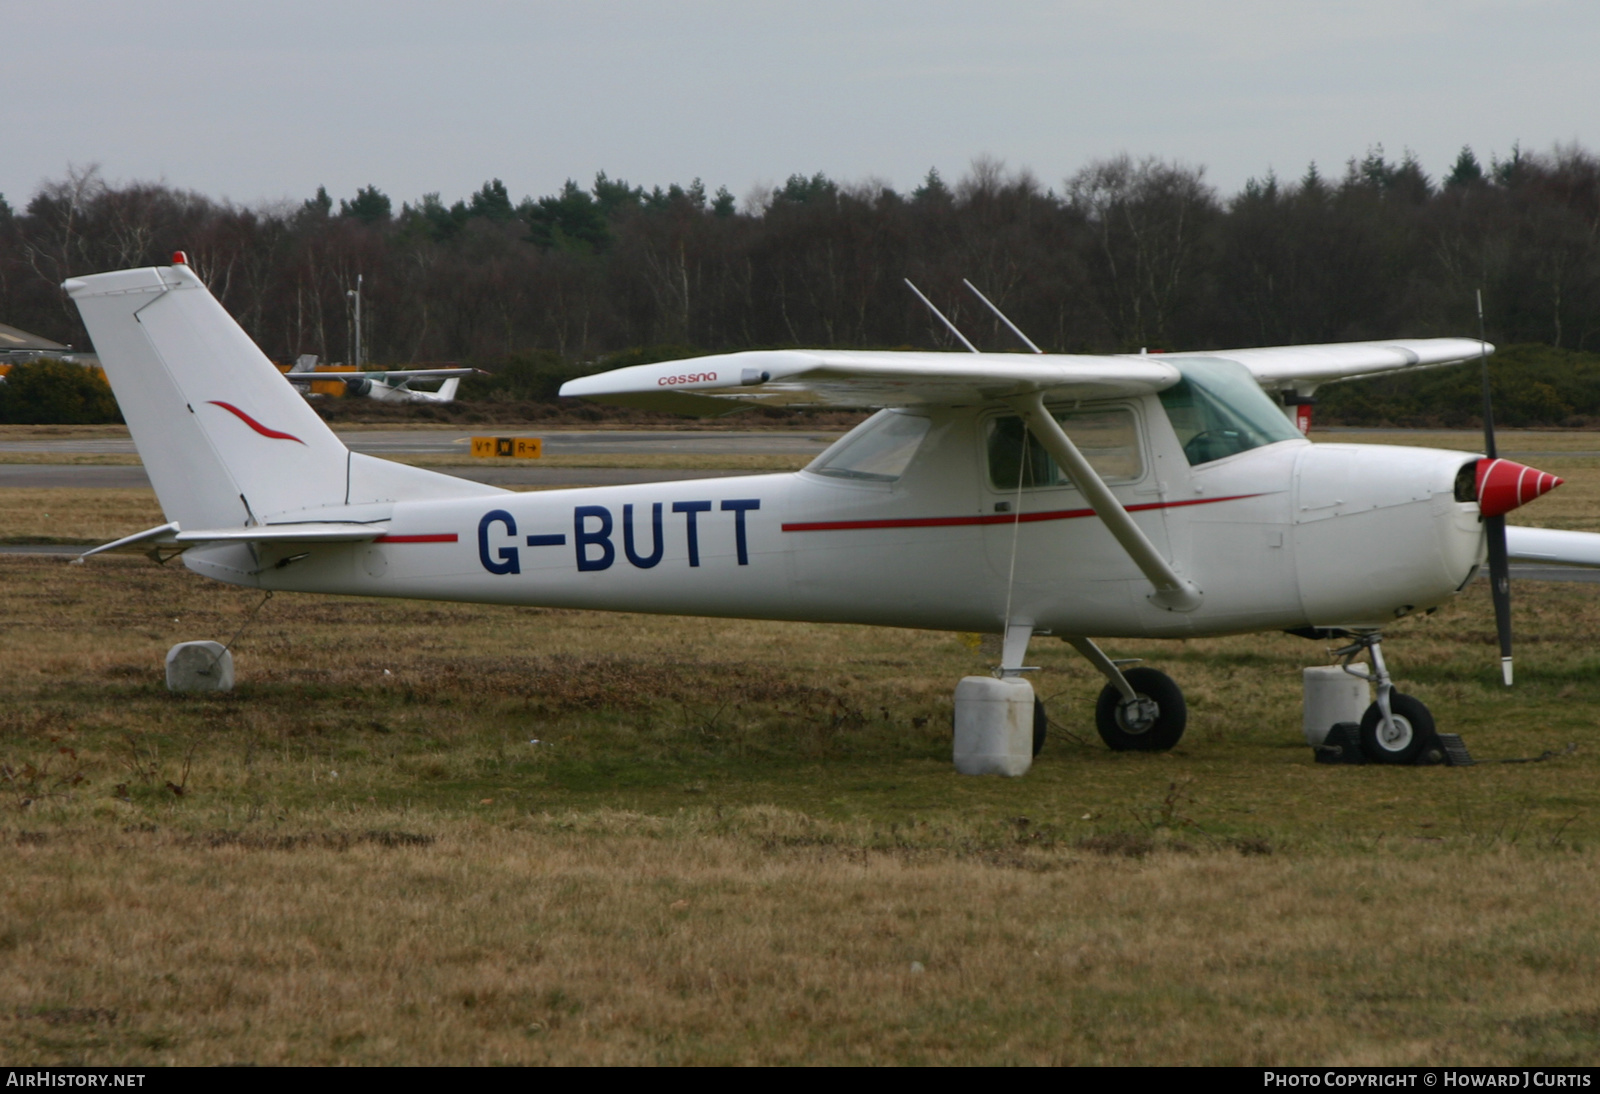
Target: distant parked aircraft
[
  {"x": 389, "y": 387},
  {"x": 19, "y": 347}
]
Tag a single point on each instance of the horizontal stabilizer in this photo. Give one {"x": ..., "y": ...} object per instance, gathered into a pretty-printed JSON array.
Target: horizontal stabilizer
[
  {"x": 332, "y": 531},
  {"x": 161, "y": 533},
  {"x": 287, "y": 533}
]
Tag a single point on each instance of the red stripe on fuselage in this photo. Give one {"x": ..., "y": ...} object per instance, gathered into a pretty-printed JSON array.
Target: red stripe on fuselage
[
  {"x": 996, "y": 518},
  {"x": 433, "y": 537},
  {"x": 255, "y": 425}
]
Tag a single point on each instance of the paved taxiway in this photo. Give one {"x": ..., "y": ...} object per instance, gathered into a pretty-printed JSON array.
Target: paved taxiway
[
  {"x": 423, "y": 442},
  {"x": 415, "y": 442},
  {"x": 91, "y": 477}
]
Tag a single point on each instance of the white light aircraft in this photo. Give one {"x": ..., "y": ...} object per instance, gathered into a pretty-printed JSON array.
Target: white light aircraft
[
  {"x": 1075, "y": 496},
  {"x": 392, "y": 386}
]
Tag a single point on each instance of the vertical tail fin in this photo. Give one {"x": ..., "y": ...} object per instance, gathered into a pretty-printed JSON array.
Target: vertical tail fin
[
  {"x": 447, "y": 390},
  {"x": 225, "y": 440}
]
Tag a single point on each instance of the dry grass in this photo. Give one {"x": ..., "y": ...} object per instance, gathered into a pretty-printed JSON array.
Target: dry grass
[
  {"x": 72, "y": 515},
  {"x": 73, "y": 459},
  {"x": 1508, "y": 442},
  {"x": 733, "y": 840},
  {"x": 61, "y": 432},
  {"x": 765, "y": 936}
]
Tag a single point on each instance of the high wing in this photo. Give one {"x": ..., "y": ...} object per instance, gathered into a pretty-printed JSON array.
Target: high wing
[
  {"x": 861, "y": 379},
  {"x": 1553, "y": 546},
  {"x": 1279, "y": 368}
]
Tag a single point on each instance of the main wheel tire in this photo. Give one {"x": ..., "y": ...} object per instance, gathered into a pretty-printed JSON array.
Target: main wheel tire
[
  {"x": 1411, "y": 733},
  {"x": 1171, "y": 718},
  {"x": 1041, "y": 725}
]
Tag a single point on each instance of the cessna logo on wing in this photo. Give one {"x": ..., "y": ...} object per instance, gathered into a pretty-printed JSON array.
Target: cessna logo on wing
[
  {"x": 687, "y": 378},
  {"x": 595, "y": 534}
]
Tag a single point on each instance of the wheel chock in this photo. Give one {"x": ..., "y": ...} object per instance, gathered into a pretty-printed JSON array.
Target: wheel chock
[{"x": 1343, "y": 746}]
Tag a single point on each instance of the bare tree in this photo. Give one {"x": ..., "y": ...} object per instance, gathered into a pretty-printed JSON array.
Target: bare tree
[{"x": 1148, "y": 219}]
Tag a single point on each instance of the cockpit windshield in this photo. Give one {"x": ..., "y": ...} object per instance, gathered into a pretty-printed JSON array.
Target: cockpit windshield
[{"x": 1219, "y": 410}]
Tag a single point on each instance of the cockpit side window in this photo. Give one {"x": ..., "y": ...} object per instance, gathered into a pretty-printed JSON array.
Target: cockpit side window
[
  {"x": 878, "y": 450},
  {"x": 1218, "y": 410},
  {"x": 1108, "y": 439}
]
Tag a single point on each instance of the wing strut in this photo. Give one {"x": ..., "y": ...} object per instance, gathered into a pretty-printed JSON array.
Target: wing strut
[{"x": 1172, "y": 592}]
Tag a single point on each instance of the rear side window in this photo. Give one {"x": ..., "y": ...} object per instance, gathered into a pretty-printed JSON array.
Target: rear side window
[
  {"x": 879, "y": 450},
  {"x": 1108, "y": 439}
]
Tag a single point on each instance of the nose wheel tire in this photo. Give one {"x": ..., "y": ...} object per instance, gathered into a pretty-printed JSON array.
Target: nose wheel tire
[
  {"x": 1041, "y": 725},
  {"x": 1126, "y": 727},
  {"x": 1402, "y": 741}
]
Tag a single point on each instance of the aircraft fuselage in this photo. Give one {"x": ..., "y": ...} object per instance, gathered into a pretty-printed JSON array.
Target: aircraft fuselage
[{"x": 1282, "y": 536}]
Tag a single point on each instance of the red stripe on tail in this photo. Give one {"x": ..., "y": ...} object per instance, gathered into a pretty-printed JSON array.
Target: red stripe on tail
[{"x": 255, "y": 425}]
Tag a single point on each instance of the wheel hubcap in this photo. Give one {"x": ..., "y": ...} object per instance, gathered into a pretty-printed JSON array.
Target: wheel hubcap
[
  {"x": 1138, "y": 716},
  {"x": 1396, "y": 735}
]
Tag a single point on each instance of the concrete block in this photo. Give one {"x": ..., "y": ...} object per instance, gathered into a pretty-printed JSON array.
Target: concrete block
[{"x": 199, "y": 666}]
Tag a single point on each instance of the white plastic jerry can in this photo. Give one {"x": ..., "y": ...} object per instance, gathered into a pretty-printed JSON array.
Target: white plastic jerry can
[
  {"x": 994, "y": 726},
  {"x": 1331, "y": 696}
]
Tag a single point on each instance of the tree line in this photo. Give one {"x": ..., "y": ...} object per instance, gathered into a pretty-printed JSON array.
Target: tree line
[{"x": 1123, "y": 255}]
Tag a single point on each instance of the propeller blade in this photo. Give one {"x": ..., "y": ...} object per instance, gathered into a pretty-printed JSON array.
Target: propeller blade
[
  {"x": 1500, "y": 588},
  {"x": 1494, "y": 526}
]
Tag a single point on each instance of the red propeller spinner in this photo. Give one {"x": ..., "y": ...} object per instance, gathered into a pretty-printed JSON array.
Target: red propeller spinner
[{"x": 1503, "y": 485}]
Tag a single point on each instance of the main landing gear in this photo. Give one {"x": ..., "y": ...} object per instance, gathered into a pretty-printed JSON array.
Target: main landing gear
[
  {"x": 1396, "y": 728},
  {"x": 1140, "y": 709}
]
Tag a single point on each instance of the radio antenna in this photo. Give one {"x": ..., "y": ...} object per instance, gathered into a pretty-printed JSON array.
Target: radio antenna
[
  {"x": 1000, "y": 315},
  {"x": 951, "y": 326}
]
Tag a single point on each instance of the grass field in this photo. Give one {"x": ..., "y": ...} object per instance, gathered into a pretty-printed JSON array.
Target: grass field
[{"x": 442, "y": 833}]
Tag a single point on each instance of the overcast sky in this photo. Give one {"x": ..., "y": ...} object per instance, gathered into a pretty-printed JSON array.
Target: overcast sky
[{"x": 266, "y": 105}]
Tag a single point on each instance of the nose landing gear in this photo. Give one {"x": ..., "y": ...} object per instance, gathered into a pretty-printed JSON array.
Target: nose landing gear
[{"x": 1397, "y": 728}]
